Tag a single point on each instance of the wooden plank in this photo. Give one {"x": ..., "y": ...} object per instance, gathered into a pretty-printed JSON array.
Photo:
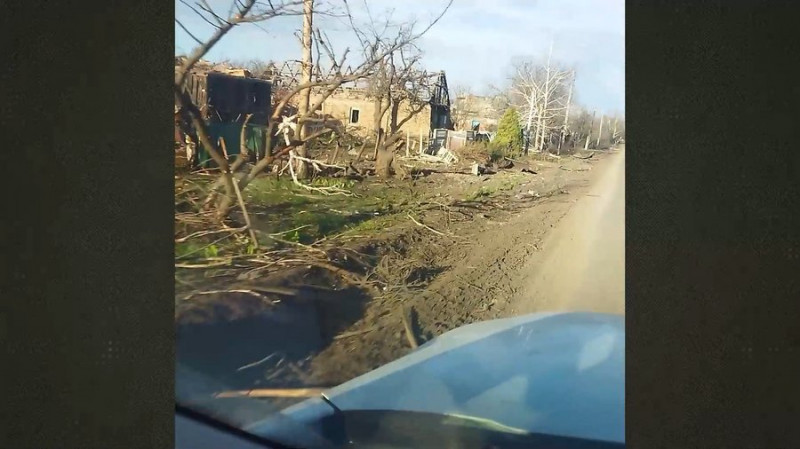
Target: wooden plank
[{"x": 272, "y": 393}]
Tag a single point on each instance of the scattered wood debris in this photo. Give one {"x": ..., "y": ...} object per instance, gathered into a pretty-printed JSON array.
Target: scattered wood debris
[
  {"x": 478, "y": 170},
  {"x": 504, "y": 163},
  {"x": 447, "y": 156}
]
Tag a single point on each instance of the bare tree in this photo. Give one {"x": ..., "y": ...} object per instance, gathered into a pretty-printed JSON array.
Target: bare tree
[
  {"x": 600, "y": 131},
  {"x": 375, "y": 49},
  {"x": 408, "y": 94},
  {"x": 541, "y": 92},
  {"x": 617, "y": 128},
  {"x": 565, "y": 127},
  {"x": 399, "y": 87},
  {"x": 589, "y": 133}
]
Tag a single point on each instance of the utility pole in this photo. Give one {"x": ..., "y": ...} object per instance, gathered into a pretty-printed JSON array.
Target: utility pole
[
  {"x": 589, "y": 135},
  {"x": 566, "y": 114},
  {"x": 600, "y": 132},
  {"x": 305, "y": 94}
]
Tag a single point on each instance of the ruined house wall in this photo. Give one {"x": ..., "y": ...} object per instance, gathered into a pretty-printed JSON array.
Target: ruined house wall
[
  {"x": 473, "y": 107},
  {"x": 339, "y": 105}
]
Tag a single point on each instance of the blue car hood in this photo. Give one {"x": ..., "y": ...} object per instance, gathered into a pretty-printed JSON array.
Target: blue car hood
[{"x": 559, "y": 373}]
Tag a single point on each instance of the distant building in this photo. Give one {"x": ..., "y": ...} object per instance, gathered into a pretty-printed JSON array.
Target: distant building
[{"x": 481, "y": 111}]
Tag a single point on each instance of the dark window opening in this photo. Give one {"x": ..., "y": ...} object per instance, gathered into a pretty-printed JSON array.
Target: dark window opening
[{"x": 354, "y": 113}]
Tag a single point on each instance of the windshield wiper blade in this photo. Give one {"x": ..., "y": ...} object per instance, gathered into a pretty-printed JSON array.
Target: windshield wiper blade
[{"x": 214, "y": 423}]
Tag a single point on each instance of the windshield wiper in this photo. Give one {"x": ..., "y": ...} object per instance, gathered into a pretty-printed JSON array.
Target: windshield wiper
[{"x": 221, "y": 426}]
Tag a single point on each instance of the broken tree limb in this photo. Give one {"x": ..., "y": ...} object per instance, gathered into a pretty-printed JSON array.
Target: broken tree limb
[
  {"x": 355, "y": 333},
  {"x": 222, "y": 146},
  {"x": 581, "y": 157},
  {"x": 220, "y": 263},
  {"x": 349, "y": 277},
  {"x": 216, "y": 292},
  {"x": 254, "y": 364},
  {"x": 426, "y": 226},
  {"x": 361, "y": 150},
  {"x": 272, "y": 393},
  {"x": 406, "y": 316},
  {"x": 203, "y": 233},
  {"x": 335, "y": 153},
  {"x": 246, "y": 215},
  {"x": 323, "y": 190}
]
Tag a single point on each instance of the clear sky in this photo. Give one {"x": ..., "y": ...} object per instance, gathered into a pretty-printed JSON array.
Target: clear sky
[{"x": 474, "y": 43}]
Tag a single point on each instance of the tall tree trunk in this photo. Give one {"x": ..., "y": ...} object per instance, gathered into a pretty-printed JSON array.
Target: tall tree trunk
[
  {"x": 566, "y": 114},
  {"x": 546, "y": 102},
  {"x": 540, "y": 129},
  {"x": 600, "y": 132},
  {"x": 377, "y": 118},
  {"x": 589, "y": 134},
  {"x": 394, "y": 111},
  {"x": 305, "y": 95},
  {"x": 383, "y": 162},
  {"x": 384, "y": 156},
  {"x": 531, "y": 111}
]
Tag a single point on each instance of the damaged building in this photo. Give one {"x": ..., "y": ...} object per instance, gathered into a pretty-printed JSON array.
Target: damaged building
[
  {"x": 225, "y": 97},
  {"x": 354, "y": 108}
]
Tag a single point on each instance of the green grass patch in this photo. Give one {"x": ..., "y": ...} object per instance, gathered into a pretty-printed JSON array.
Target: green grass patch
[{"x": 495, "y": 186}]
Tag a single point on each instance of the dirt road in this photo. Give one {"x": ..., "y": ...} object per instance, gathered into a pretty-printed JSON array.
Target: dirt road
[{"x": 582, "y": 263}]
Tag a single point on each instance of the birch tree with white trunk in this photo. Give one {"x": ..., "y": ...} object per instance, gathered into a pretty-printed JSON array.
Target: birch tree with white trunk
[{"x": 541, "y": 92}]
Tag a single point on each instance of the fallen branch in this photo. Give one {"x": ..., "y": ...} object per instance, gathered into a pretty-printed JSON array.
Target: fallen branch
[
  {"x": 424, "y": 158},
  {"x": 426, "y": 226},
  {"x": 184, "y": 256},
  {"x": 584, "y": 158},
  {"x": 301, "y": 245},
  {"x": 244, "y": 212},
  {"x": 348, "y": 276},
  {"x": 355, "y": 333},
  {"x": 220, "y": 263},
  {"x": 273, "y": 393},
  {"x": 216, "y": 292},
  {"x": 316, "y": 164},
  {"x": 204, "y": 233},
  {"x": 254, "y": 364},
  {"x": 406, "y": 316},
  {"x": 323, "y": 190},
  {"x": 290, "y": 230}
]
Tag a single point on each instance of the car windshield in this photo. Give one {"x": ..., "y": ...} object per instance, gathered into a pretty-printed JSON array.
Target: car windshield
[{"x": 354, "y": 180}]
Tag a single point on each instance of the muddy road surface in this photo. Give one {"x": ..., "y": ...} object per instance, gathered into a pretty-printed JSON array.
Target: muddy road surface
[{"x": 486, "y": 247}]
